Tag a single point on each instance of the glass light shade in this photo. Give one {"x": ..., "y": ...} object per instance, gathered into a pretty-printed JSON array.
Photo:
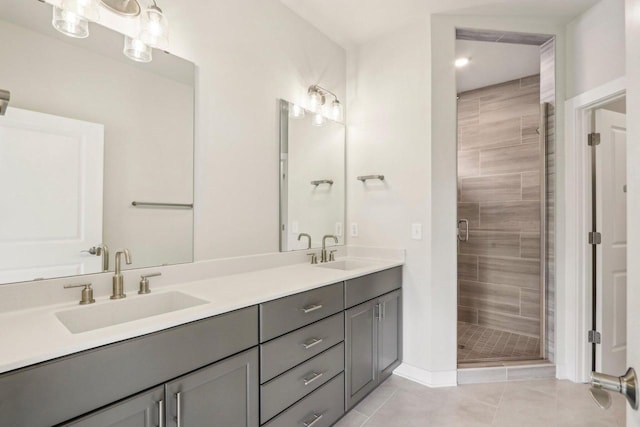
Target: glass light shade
[
  {"x": 87, "y": 9},
  {"x": 137, "y": 50},
  {"x": 155, "y": 28},
  {"x": 296, "y": 112},
  {"x": 316, "y": 100},
  {"x": 318, "y": 119},
  {"x": 70, "y": 24},
  {"x": 337, "y": 111}
]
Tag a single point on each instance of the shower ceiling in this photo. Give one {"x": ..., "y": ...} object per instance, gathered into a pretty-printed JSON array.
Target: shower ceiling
[
  {"x": 493, "y": 63},
  {"x": 352, "y": 22}
]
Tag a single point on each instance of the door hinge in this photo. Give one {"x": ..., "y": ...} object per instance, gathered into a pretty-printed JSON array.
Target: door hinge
[
  {"x": 594, "y": 337},
  {"x": 593, "y": 139},
  {"x": 595, "y": 238}
]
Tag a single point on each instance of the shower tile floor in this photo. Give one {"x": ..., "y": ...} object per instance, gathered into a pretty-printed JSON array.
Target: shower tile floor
[{"x": 479, "y": 343}]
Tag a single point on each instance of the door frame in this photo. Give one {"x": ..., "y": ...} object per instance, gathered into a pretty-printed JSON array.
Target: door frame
[{"x": 574, "y": 261}]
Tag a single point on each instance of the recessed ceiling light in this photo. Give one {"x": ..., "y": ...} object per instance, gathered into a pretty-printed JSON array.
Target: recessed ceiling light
[{"x": 461, "y": 62}]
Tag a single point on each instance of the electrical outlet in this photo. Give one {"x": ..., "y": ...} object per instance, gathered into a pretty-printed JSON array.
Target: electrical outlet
[
  {"x": 339, "y": 229},
  {"x": 295, "y": 227},
  {"x": 416, "y": 231},
  {"x": 354, "y": 229}
]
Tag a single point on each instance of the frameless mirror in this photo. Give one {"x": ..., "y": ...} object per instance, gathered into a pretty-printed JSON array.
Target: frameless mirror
[
  {"x": 312, "y": 178},
  {"x": 88, "y": 132}
]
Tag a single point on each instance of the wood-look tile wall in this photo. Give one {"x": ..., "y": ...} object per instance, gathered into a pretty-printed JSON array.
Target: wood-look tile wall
[{"x": 499, "y": 167}]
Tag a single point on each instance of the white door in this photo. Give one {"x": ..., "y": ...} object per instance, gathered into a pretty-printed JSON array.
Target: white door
[
  {"x": 611, "y": 219},
  {"x": 50, "y": 195}
]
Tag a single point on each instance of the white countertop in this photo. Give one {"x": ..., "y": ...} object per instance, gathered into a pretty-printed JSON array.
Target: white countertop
[{"x": 36, "y": 335}]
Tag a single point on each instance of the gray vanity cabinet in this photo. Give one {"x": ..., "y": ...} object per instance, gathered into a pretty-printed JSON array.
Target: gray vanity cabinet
[
  {"x": 389, "y": 334},
  {"x": 222, "y": 395},
  {"x": 361, "y": 352},
  {"x": 373, "y": 332},
  {"x": 142, "y": 410}
]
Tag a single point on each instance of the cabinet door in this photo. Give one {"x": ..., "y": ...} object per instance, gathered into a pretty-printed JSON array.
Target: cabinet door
[
  {"x": 361, "y": 354},
  {"x": 389, "y": 334},
  {"x": 221, "y": 395},
  {"x": 143, "y": 410}
]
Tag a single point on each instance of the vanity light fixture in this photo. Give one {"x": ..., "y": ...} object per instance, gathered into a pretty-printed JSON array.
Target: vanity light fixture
[
  {"x": 462, "y": 62},
  {"x": 155, "y": 27},
  {"x": 318, "y": 119},
  {"x": 127, "y": 8},
  {"x": 296, "y": 112},
  {"x": 136, "y": 50},
  {"x": 317, "y": 98},
  {"x": 73, "y": 16}
]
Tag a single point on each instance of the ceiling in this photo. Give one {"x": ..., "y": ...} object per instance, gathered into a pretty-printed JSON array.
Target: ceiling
[
  {"x": 492, "y": 63},
  {"x": 352, "y": 22}
]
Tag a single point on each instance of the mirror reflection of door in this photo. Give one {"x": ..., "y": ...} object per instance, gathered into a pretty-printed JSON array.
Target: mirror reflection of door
[
  {"x": 51, "y": 184},
  {"x": 611, "y": 254}
]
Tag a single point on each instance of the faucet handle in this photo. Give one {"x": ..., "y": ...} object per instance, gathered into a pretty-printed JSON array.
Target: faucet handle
[
  {"x": 332, "y": 255},
  {"x": 144, "y": 282},
  {"x": 314, "y": 257},
  {"x": 87, "y": 293}
]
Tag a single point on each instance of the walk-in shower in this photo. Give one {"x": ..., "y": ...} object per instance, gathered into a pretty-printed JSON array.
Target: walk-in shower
[{"x": 505, "y": 212}]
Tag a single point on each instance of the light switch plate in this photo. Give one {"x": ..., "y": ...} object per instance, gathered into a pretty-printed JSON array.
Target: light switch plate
[
  {"x": 339, "y": 229},
  {"x": 354, "y": 229},
  {"x": 295, "y": 227},
  {"x": 416, "y": 231}
]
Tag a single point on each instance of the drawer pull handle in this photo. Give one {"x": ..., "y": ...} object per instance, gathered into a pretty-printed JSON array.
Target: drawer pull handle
[
  {"x": 161, "y": 413},
  {"x": 316, "y": 418},
  {"x": 314, "y": 342},
  {"x": 311, "y": 308},
  {"x": 315, "y": 376}
]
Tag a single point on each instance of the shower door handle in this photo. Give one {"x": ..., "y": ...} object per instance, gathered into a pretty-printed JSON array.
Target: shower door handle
[{"x": 463, "y": 233}]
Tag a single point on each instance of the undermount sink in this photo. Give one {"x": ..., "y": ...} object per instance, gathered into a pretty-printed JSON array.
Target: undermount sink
[
  {"x": 89, "y": 318},
  {"x": 345, "y": 264}
]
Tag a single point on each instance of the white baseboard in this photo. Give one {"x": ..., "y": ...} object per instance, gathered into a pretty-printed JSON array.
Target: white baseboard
[{"x": 427, "y": 378}]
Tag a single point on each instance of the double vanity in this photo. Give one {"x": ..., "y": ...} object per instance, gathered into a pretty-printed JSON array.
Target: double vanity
[{"x": 291, "y": 346}]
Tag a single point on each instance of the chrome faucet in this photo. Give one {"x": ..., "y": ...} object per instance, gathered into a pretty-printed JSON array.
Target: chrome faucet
[
  {"x": 301, "y": 235},
  {"x": 323, "y": 254},
  {"x": 118, "y": 279}
]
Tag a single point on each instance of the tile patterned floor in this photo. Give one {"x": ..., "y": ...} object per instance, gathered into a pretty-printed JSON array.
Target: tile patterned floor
[
  {"x": 477, "y": 343},
  {"x": 544, "y": 403}
]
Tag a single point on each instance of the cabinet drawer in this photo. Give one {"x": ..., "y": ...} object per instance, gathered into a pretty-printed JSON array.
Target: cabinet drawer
[
  {"x": 287, "y": 314},
  {"x": 371, "y": 286},
  {"x": 290, "y": 350},
  {"x": 324, "y": 406},
  {"x": 293, "y": 385}
]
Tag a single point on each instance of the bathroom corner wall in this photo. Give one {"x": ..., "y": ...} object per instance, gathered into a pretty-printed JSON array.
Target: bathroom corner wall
[
  {"x": 499, "y": 193},
  {"x": 547, "y": 94}
]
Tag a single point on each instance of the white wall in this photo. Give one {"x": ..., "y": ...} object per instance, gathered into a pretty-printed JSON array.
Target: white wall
[
  {"x": 595, "y": 47},
  {"x": 388, "y": 133},
  {"x": 633, "y": 196},
  {"x": 248, "y": 53}
]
